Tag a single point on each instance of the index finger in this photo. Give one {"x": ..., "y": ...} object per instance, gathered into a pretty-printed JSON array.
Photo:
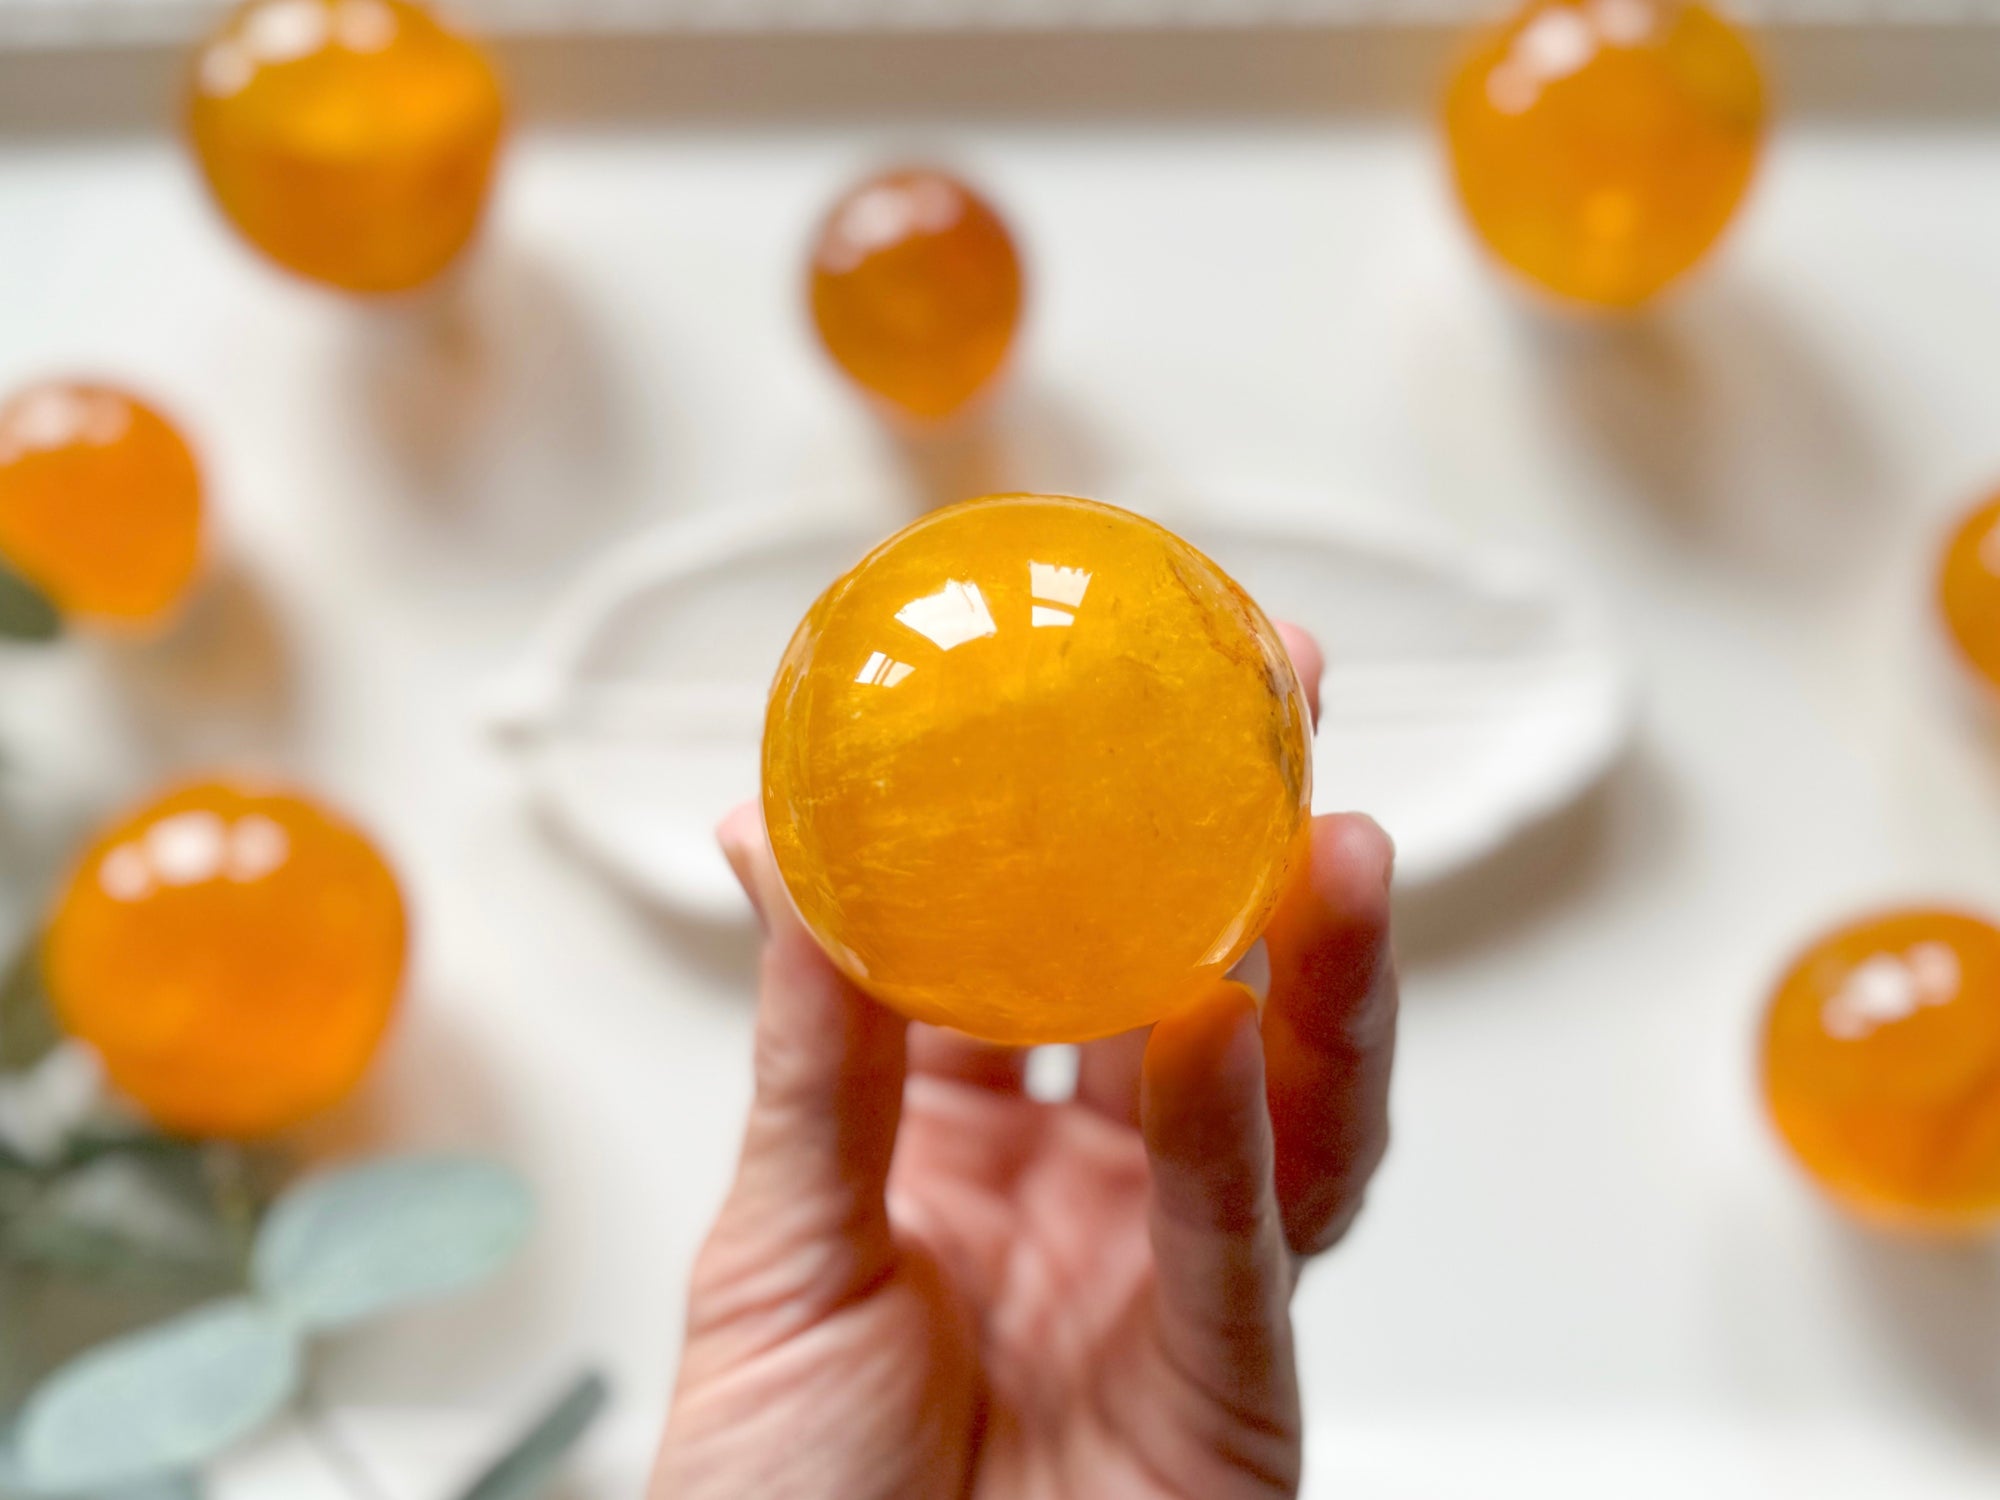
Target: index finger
[
  {"x": 1306, "y": 661},
  {"x": 1330, "y": 1028}
]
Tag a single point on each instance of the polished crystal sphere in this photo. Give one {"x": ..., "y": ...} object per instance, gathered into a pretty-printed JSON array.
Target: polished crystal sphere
[
  {"x": 1036, "y": 769},
  {"x": 351, "y": 141},
  {"x": 916, "y": 291},
  {"x": 233, "y": 953},
  {"x": 1882, "y": 1067},
  {"x": 1968, "y": 590},
  {"x": 100, "y": 503},
  {"x": 1601, "y": 147}
]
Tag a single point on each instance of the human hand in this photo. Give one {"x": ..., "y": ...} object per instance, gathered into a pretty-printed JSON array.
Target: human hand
[{"x": 924, "y": 1284}]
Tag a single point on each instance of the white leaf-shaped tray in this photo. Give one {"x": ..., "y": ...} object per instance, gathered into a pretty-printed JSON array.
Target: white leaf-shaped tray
[{"x": 1466, "y": 694}]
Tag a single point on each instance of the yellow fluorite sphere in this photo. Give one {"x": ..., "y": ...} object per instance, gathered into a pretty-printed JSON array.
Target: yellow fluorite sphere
[
  {"x": 1600, "y": 147},
  {"x": 1882, "y": 1068},
  {"x": 352, "y": 141},
  {"x": 1968, "y": 590},
  {"x": 233, "y": 953},
  {"x": 100, "y": 503},
  {"x": 1036, "y": 769}
]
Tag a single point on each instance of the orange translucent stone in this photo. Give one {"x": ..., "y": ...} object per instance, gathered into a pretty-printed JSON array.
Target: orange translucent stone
[
  {"x": 1882, "y": 1067},
  {"x": 916, "y": 289},
  {"x": 1600, "y": 147},
  {"x": 1969, "y": 590},
  {"x": 352, "y": 141},
  {"x": 1036, "y": 769},
  {"x": 100, "y": 502},
  {"x": 233, "y": 953}
]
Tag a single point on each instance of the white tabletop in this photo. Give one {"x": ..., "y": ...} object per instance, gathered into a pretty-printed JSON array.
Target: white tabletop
[{"x": 1586, "y": 1268}]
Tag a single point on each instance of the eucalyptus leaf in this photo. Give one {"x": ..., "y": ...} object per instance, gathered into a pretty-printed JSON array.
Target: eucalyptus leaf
[
  {"x": 179, "y": 1161},
  {"x": 526, "y": 1469},
  {"x": 13, "y": 1483},
  {"x": 43, "y": 1107},
  {"x": 124, "y": 1216},
  {"x": 160, "y": 1487},
  {"x": 26, "y": 614},
  {"x": 159, "y": 1401},
  {"x": 348, "y": 1245},
  {"x": 28, "y": 1030}
]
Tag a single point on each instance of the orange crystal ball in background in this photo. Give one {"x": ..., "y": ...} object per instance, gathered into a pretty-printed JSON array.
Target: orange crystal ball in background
[
  {"x": 1600, "y": 147},
  {"x": 1882, "y": 1068},
  {"x": 916, "y": 290},
  {"x": 1036, "y": 769},
  {"x": 100, "y": 502},
  {"x": 352, "y": 141},
  {"x": 1969, "y": 590},
  {"x": 233, "y": 953}
]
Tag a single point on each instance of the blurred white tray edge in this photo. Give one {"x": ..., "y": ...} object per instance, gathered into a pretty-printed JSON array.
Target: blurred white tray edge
[{"x": 1468, "y": 694}]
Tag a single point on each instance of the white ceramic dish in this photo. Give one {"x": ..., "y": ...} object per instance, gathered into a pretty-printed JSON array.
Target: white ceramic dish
[{"x": 1465, "y": 696}]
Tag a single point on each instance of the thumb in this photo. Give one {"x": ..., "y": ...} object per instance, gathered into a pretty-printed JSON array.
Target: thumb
[
  {"x": 804, "y": 1225},
  {"x": 1223, "y": 1274}
]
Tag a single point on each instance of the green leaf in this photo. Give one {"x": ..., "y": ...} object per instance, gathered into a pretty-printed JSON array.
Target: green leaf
[
  {"x": 28, "y": 1030},
  {"x": 348, "y": 1245},
  {"x": 160, "y": 1487},
  {"x": 12, "y": 1482},
  {"x": 25, "y": 611},
  {"x": 169, "y": 1487},
  {"x": 128, "y": 1217},
  {"x": 165, "y": 1487},
  {"x": 525, "y": 1470},
  {"x": 160, "y": 1401}
]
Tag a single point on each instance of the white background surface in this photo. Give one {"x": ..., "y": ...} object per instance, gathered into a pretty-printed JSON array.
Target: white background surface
[{"x": 1586, "y": 1270}]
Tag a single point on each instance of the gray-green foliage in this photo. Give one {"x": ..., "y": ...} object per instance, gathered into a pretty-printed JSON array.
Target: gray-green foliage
[
  {"x": 131, "y": 1215},
  {"x": 26, "y": 614},
  {"x": 352, "y": 1245},
  {"x": 27, "y": 1028},
  {"x": 528, "y": 1468},
  {"x": 161, "y": 1400},
  {"x": 159, "y": 1487},
  {"x": 335, "y": 1248}
]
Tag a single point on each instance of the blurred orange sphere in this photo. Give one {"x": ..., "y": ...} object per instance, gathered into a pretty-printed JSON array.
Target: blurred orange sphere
[
  {"x": 352, "y": 141},
  {"x": 1968, "y": 590},
  {"x": 1882, "y": 1067},
  {"x": 233, "y": 953},
  {"x": 916, "y": 290},
  {"x": 1600, "y": 147},
  {"x": 100, "y": 502}
]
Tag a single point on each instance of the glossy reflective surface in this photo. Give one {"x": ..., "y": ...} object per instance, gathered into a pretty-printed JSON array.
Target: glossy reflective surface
[
  {"x": 100, "y": 502},
  {"x": 1969, "y": 590},
  {"x": 1882, "y": 1067},
  {"x": 233, "y": 953},
  {"x": 351, "y": 141},
  {"x": 1036, "y": 769},
  {"x": 916, "y": 290},
  {"x": 1600, "y": 147}
]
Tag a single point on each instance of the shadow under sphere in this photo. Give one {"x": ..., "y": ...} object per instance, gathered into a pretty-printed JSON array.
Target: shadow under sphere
[{"x": 1718, "y": 416}]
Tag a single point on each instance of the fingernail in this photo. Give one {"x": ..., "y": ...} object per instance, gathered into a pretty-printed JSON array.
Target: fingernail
[{"x": 1388, "y": 844}]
